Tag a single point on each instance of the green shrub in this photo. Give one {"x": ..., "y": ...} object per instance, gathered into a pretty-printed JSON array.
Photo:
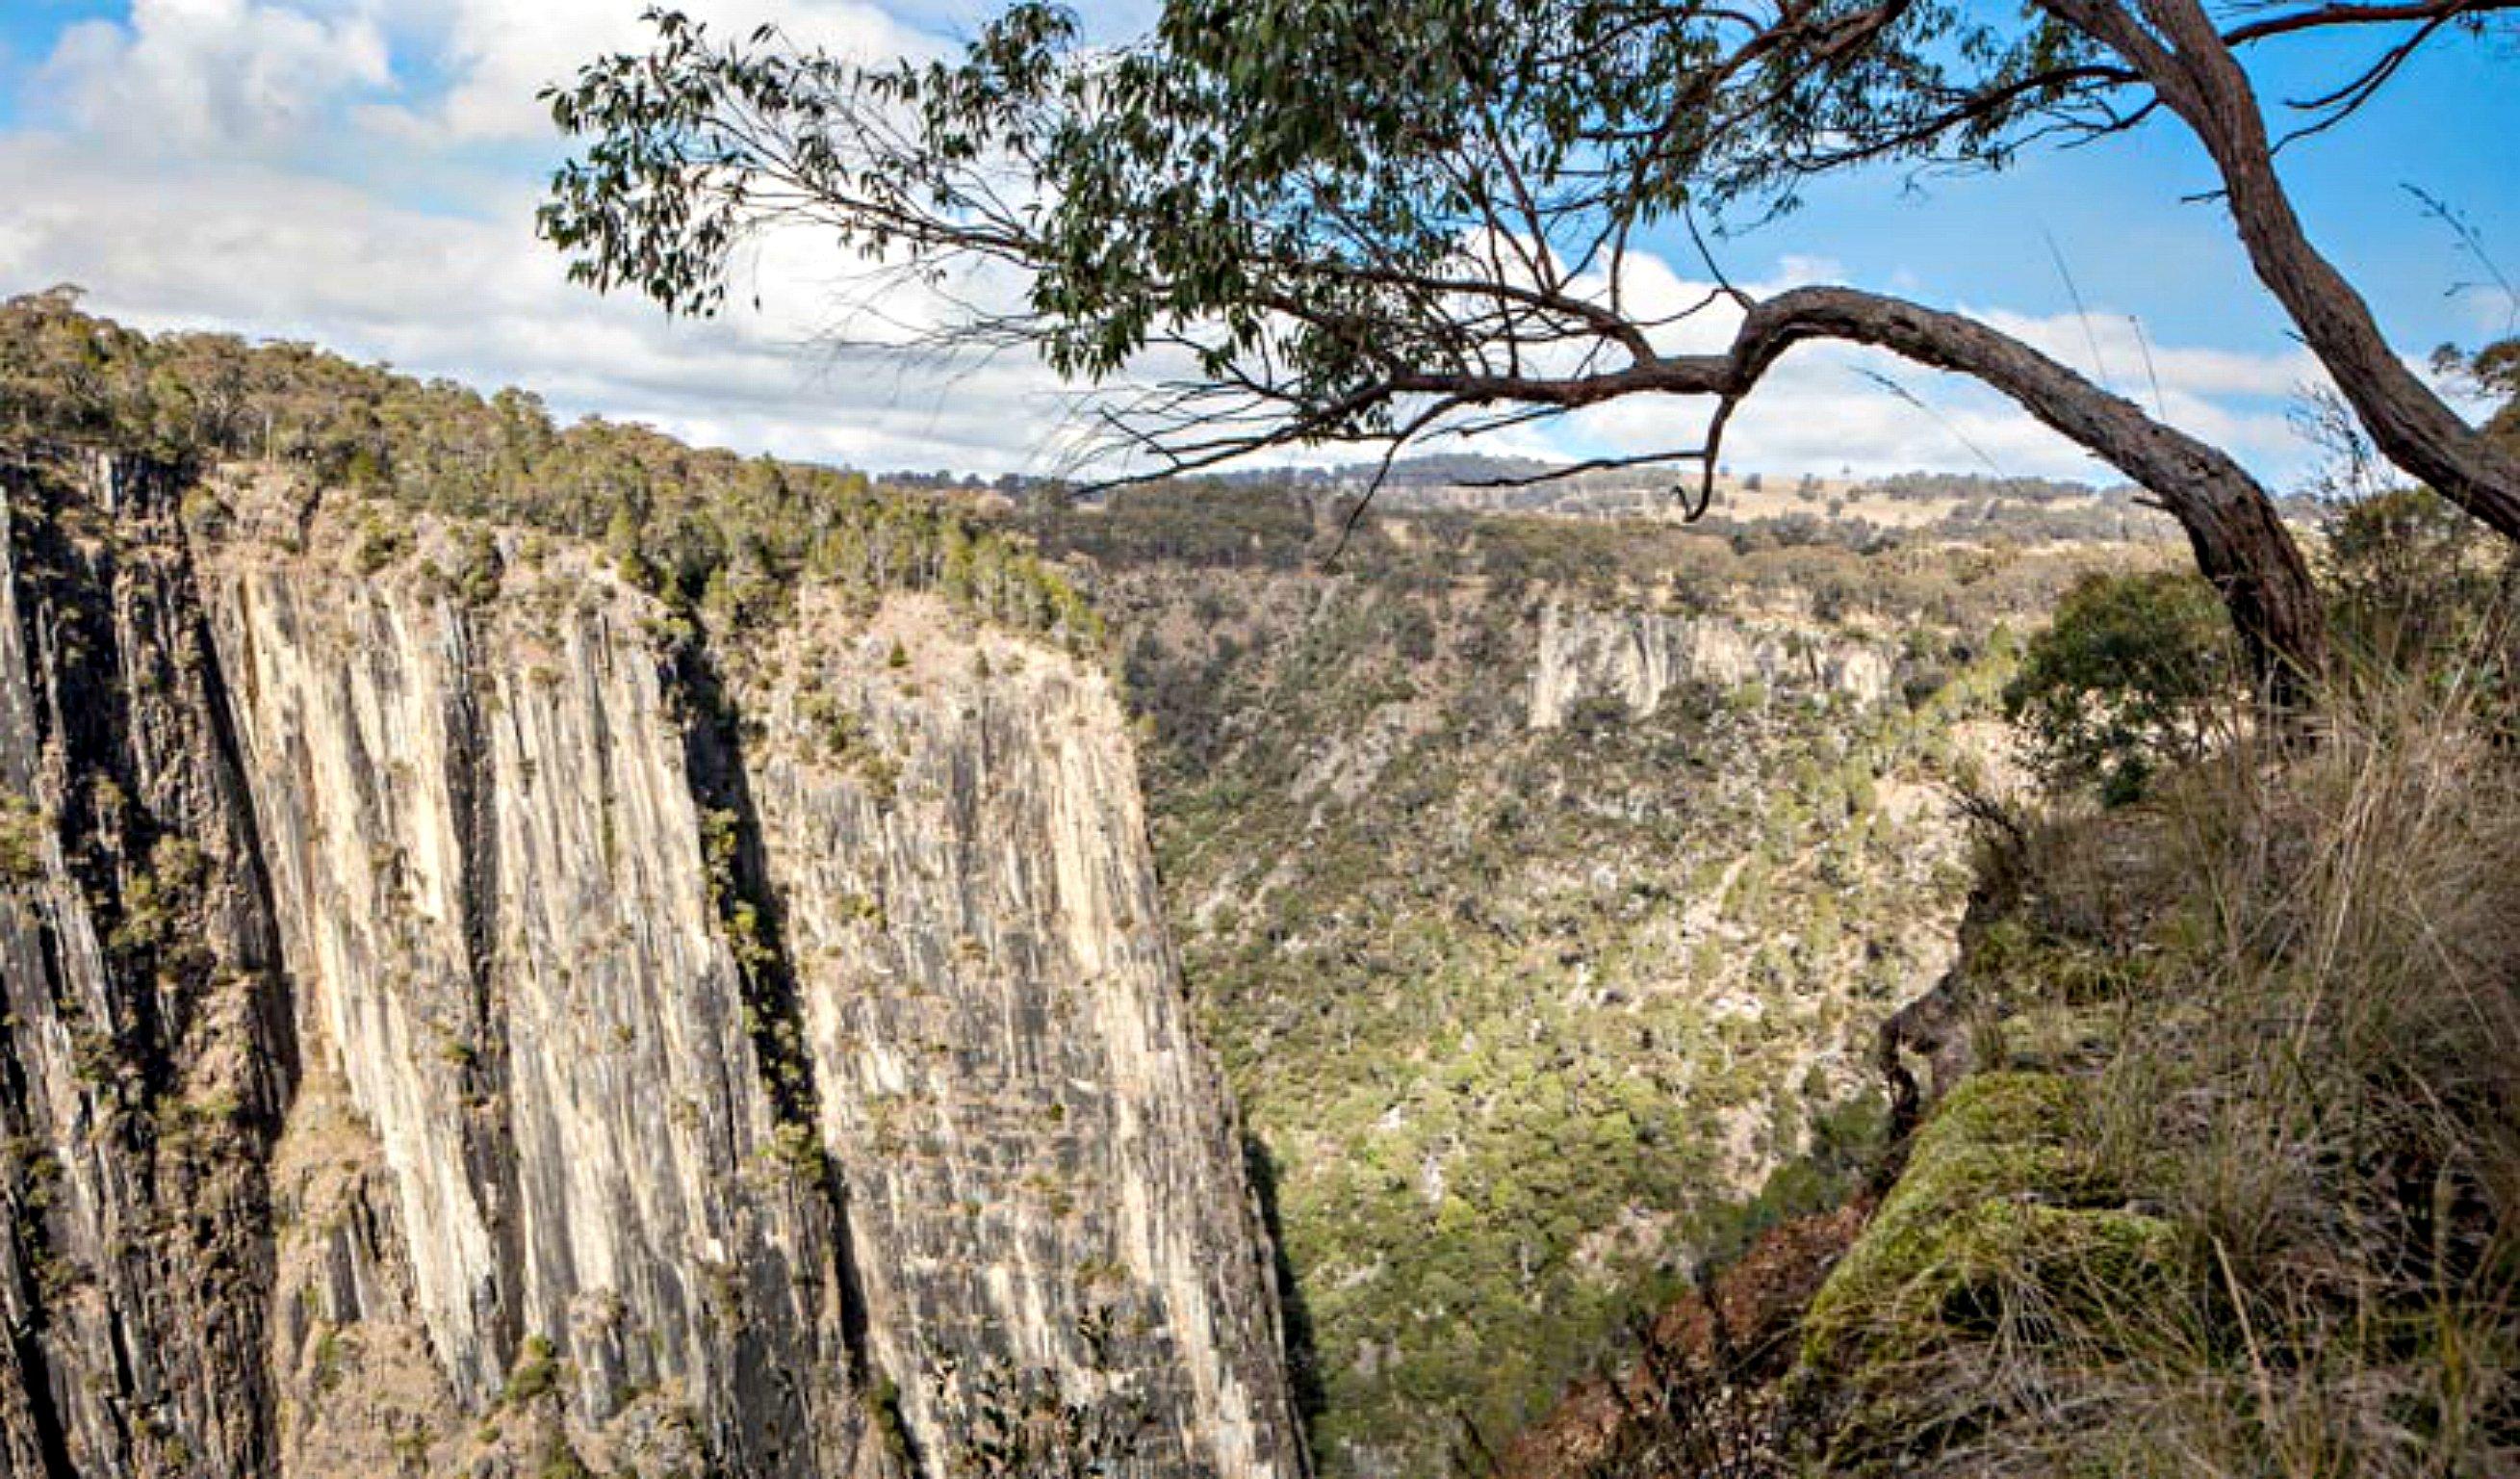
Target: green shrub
[
  {"x": 478, "y": 573},
  {"x": 535, "y": 1375},
  {"x": 2135, "y": 674},
  {"x": 381, "y": 542},
  {"x": 559, "y": 1460},
  {"x": 23, "y": 825}
]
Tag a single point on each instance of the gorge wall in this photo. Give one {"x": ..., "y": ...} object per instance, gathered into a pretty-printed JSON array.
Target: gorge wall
[
  {"x": 1639, "y": 657},
  {"x": 461, "y": 1018}
]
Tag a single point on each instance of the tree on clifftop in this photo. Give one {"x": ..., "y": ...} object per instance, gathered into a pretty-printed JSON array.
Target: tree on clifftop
[{"x": 1318, "y": 222}]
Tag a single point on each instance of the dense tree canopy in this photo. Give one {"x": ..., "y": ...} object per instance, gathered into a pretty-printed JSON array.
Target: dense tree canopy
[
  {"x": 2132, "y": 677},
  {"x": 1305, "y": 221}
]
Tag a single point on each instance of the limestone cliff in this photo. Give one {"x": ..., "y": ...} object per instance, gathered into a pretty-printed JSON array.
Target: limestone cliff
[{"x": 481, "y": 1022}]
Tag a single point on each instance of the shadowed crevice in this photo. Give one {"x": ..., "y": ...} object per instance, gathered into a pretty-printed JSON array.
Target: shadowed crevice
[{"x": 752, "y": 919}]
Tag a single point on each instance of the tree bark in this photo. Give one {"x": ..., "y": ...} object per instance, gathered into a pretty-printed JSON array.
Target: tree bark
[
  {"x": 2177, "y": 51},
  {"x": 2239, "y": 540}
]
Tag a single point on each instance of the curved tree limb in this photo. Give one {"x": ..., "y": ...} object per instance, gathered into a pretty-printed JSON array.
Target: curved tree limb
[
  {"x": 2233, "y": 528},
  {"x": 2175, "y": 47},
  {"x": 1455, "y": 268}
]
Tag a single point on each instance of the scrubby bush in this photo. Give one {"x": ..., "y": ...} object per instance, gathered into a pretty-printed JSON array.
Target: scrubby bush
[
  {"x": 2136, "y": 672},
  {"x": 23, "y": 825},
  {"x": 2413, "y": 580}
]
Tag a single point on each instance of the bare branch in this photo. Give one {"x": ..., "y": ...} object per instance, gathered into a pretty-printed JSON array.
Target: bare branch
[{"x": 1589, "y": 465}]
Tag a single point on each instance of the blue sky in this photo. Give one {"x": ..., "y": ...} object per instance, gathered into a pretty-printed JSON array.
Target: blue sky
[
  {"x": 362, "y": 174},
  {"x": 2451, "y": 125}
]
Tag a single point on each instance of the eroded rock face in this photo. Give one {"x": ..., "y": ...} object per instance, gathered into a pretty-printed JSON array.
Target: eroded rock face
[
  {"x": 149, "y": 1053},
  {"x": 1638, "y": 655},
  {"x": 488, "y": 860},
  {"x": 1039, "y": 1179},
  {"x": 562, "y": 1042}
]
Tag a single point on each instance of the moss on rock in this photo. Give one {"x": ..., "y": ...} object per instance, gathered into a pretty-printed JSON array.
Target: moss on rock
[
  {"x": 2062, "y": 1039},
  {"x": 1998, "y": 1202}
]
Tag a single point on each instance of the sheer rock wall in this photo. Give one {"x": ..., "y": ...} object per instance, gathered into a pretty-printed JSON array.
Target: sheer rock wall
[
  {"x": 1638, "y": 655},
  {"x": 472, "y": 1023}
]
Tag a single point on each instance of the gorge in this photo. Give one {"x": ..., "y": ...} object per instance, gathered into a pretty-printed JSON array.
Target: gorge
[
  {"x": 1542, "y": 883},
  {"x": 1259, "y": 740},
  {"x": 540, "y": 952}
]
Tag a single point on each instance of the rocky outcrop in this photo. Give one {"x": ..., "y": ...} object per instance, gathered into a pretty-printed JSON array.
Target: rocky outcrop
[
  {"x": 488, "y": 863},
  {"x": 550, "y": 1040},
  {"x": 1636, "y": 657}
]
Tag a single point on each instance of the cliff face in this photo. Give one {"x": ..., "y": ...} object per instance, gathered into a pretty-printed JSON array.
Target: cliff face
[
  {"x": 149, "y": 1053},
  {"x": 1040, "y": 1175},
  {"x": 472, "y": 1023},
  {"x": 1639, "y": 656}
]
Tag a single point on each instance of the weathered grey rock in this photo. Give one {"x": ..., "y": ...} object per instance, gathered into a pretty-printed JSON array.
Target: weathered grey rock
[
  {"x": 547, "y": 1046},
  {"x": 487, "y": 861},
  {"x": 1038, "y": 1170},
  {"x": 148, "y": 1045},
  {"x": 1639, "y": 656}
]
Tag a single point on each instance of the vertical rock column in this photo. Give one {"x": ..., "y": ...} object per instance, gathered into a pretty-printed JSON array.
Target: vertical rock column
[
  {"x": 1637, "y": 657},
  {"x": 1046, "y": 1193},
  {"x": 147, "y": 1047},
  {"x": 497, "y": 906}
]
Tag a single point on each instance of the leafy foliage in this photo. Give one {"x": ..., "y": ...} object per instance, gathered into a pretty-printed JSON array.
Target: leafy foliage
[
  {"x": 2132, "y": 674},
  {"x": 1298, "y": 195},
  {"x": 2494, "y": 372},
  {"x": 22, "y": 830},
  {"x": 2414, "y": 579},
  {"x": 1310, "y": 221},
  {"x": 1335, "y": 222}
]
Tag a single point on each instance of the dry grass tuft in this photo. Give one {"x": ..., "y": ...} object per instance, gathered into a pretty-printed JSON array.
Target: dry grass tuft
[{"x": 2303, "y": 970}]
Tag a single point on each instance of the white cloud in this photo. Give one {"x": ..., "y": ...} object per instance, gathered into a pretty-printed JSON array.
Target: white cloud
[
  {"x": 2490, "y": 311},
  {"x": 254, "y": 248},
  {"x": 215, "y": 76},
  {"x": 208, "y": 76},
  {"x": 498, "y": 54}
]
